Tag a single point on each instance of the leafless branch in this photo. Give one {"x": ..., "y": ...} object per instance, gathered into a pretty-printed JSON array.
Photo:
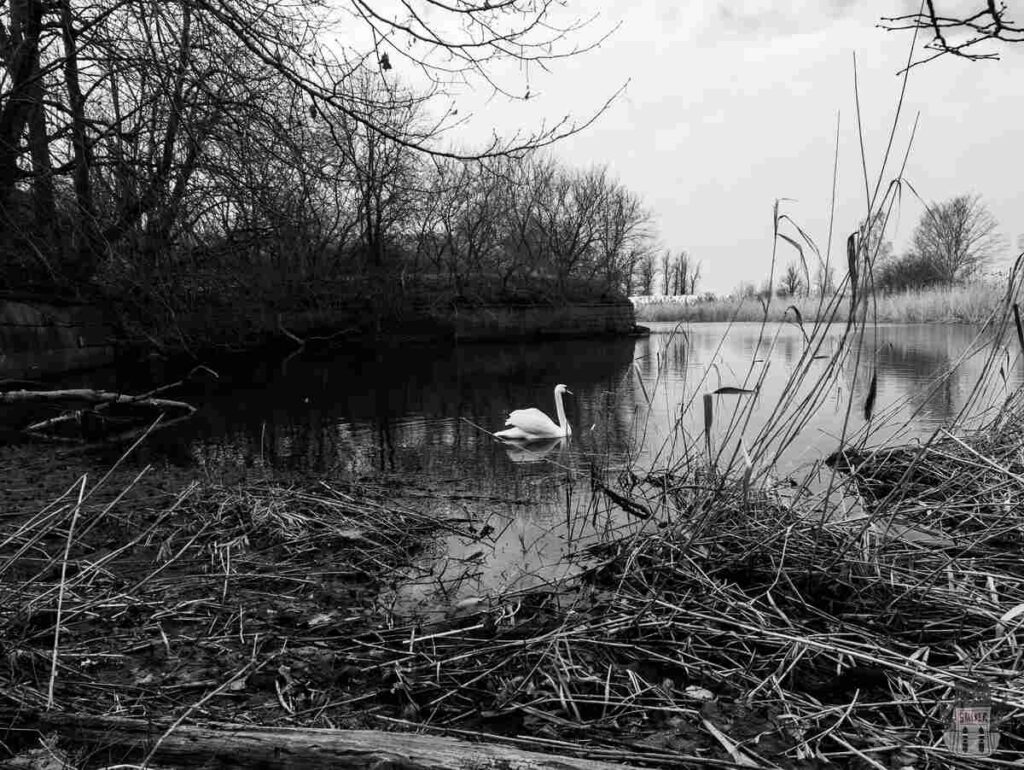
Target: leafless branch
[{"x": 962, "y": 35}]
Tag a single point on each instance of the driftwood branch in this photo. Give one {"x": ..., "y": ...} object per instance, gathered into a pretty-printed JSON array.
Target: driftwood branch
[
  {"x": 280, "y": 748},
  {"x": 101, "y": 400},
  {"x": 101, "y": 397},
  {"x": 90, "y": 396}
]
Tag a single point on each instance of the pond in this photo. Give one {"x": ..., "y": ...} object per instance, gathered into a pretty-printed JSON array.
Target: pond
[
  {"x": 425, "y": 411},
  {"x": 420, "y": 413}
]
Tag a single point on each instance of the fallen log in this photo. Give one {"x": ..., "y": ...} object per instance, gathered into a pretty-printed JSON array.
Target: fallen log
[
  {"x": 280, "y": 748},
  {"x": 90, "y": 396},
  {"x": 92, "y": 421}
]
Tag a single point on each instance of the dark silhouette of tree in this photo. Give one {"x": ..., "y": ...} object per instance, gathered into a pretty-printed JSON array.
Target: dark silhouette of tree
[
  {"x": 688, "y": 272},
  {"x": 906, "y": 273},
  {"x": 680, "y": 273},
  {"x": 530, "y": 222},
  {"x": 667, "y": 272},
  {"x": 792, "y": 281},
  {"x": 645, "y": 272}
]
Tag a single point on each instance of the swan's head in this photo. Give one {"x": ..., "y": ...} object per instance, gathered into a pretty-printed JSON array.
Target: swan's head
[{"x": 560, "y": 389}]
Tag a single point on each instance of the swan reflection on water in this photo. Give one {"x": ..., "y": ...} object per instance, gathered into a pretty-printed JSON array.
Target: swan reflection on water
[{"x": 532, "y": 451}]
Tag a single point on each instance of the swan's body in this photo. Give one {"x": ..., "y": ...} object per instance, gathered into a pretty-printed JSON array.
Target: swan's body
[{"x": 532, "y": 424}]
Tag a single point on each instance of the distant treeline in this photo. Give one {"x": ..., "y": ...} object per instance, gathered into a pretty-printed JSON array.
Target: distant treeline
[{"x": 953, "y": 244}]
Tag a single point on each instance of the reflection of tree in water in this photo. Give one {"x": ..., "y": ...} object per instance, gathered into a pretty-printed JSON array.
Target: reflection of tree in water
[
  {"x": 645, "y": 356},
  {"x": 910, "y": 358},
  {"x": 663, "y": 352},
  {"x": 912, "y": 371},
  {"x": 788, "y": 350},
  {"x": 401, "y": 408},
  {"x": 909, "y": 361}
]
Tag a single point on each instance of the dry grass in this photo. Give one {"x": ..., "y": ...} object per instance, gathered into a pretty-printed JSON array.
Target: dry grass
[
  {"x": 974, "y": 303},
  {"x": 969, "y": 304},
  {"x": 104, "y": 608}
]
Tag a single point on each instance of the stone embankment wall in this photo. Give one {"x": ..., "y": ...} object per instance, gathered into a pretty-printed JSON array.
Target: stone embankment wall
[
  {"x": 215, "y": 324},
  {"x": 493, "y": 322},
  {"x": 40, "y": 338}
]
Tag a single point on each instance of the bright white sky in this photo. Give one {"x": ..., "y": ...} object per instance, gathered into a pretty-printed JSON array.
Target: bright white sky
[{"x": 733, "y": 105}]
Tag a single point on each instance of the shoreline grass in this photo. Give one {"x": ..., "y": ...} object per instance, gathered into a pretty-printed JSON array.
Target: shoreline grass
[{"x": 973, "y": 304}]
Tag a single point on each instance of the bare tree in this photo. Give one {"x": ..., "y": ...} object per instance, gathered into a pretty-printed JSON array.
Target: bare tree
[
  {"x": 956, "y": 238},
  {"x": 792, "y": 280},
  {"x": 381, "y": 170},
  {"x": 667, "y": 271},
  {"x": 961, "y": 34},
  {"x": 645, "y": 272},
  {"x": 623, "y": 232},
  {"x": 687, "y": 273},
  {"x": 532, "y": 224},
  {"x": 695, "y": 274}
]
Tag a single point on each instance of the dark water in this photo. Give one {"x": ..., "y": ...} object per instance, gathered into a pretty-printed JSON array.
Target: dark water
[{"x": 420, "y": 413}]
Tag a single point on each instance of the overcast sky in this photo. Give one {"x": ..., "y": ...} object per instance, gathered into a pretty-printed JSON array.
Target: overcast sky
[{"x": 733, "y": 105}]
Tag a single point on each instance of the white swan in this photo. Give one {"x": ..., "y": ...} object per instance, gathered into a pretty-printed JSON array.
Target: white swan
[{"x": 532, "y": 424}]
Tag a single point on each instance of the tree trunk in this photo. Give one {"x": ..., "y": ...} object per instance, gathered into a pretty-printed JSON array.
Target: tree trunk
[
  {"x": 89, "y": 242},
  {"x": 42, "y": 169},
  {"x": 281, "y": 748},
  {"x": 21, "y": 46}
]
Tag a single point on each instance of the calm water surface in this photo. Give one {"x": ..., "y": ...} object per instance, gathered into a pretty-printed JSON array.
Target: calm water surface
[{"x": 420, "y": 412}]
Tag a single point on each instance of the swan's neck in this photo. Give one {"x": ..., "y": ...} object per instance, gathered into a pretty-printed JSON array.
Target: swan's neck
[{"x": 560, "y": 411}]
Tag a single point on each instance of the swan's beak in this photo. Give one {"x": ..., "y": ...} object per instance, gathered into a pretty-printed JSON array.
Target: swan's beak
[{"x": 568, "y": 391}]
